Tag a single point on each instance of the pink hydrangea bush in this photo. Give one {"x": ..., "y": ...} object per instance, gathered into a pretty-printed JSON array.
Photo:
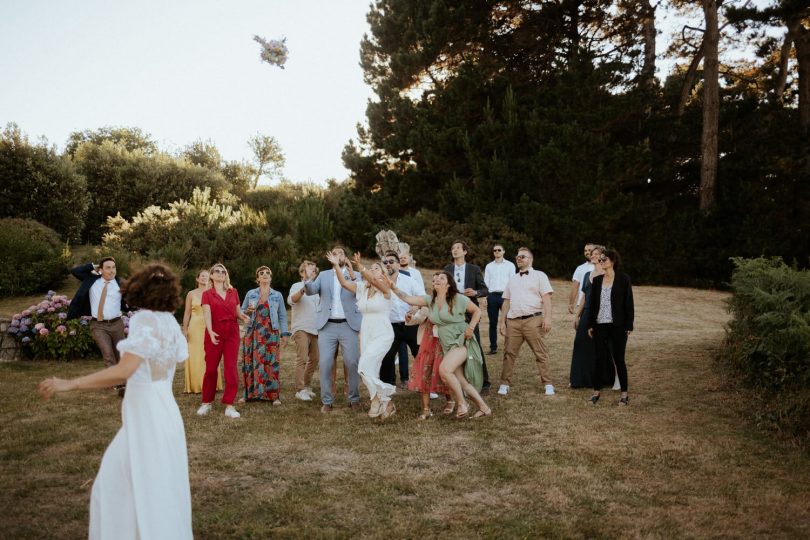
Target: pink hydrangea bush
[{"x": 45, "y": 333}]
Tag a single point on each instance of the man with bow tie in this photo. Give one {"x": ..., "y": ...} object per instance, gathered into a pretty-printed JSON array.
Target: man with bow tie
[{"x": 527, "y": 308}]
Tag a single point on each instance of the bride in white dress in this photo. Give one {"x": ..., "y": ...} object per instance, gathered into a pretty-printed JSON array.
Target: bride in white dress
[
  {"x": 142, "y": 488},
  {"x": 376, "y": 334}
]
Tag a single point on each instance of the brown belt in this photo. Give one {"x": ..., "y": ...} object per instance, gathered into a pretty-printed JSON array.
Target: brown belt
[{"x": 538, "y": 314}]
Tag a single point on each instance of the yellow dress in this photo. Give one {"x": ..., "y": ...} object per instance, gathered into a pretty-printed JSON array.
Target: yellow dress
[{"x": 195, "y": 365}]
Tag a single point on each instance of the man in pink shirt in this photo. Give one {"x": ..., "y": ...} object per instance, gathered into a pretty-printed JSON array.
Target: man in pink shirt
[{"x": 527, "y": 309}]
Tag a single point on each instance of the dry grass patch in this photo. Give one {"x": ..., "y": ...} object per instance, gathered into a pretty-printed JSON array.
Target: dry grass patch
[{"x": 679, "y": 462}]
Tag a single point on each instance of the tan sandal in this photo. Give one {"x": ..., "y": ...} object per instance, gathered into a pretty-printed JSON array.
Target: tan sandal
[
  {"x": 426, "y": 413},
  {"x": 463, "y": 411},
  {"x": 449, "y": 408},
  {"x": 390, "y": 410},
  {"x": 481, "y": 414}
]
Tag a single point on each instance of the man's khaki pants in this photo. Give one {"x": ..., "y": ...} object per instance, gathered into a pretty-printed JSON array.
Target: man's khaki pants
[{"x": 531, "y": 331}]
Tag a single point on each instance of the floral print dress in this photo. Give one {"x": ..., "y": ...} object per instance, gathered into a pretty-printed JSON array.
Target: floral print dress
[{"x": 260, "y": 356}]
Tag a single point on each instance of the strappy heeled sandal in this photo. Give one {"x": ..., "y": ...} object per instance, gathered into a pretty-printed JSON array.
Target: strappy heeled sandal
[
  {"x": 593, "y": 399},
  {"x": 625, "y": 401},
  {"x": 449, "y": 408},
  {"x": 463, "y": 411},
  {"x": 481, "y": 414},
  {"x": 426, "y": 413}
]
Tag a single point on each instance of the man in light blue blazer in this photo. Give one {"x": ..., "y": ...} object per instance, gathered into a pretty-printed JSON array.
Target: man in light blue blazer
[{"x": 338, "y": 322}]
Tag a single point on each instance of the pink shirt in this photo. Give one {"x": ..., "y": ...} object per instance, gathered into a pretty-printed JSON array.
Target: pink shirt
[{"x": 525, "y": 293}]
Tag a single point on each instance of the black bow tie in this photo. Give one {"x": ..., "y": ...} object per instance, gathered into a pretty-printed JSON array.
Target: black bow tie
[{"x": 526, "y": 273}]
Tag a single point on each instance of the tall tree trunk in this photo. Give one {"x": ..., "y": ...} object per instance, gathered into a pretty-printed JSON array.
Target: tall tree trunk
[
  {"x": 711, "y": 108},
  {"x": 784, "y": 57},
  {"x": 648, "y": 34},
  {"x": 801, "y": 39},
  {"x": 689, "y": 78}
]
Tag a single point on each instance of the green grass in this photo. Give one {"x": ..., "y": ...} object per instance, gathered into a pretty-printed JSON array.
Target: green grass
[{"x": 681, "y": 461}]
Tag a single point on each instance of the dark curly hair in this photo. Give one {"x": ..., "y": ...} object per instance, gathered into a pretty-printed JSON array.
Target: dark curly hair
[
  {"x": 154, "y": 287},
  {"x": 452, "y": 290}
]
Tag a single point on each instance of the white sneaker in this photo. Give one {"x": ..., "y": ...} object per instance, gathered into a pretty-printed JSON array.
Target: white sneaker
[
  {"x": 616, "y": 384},
  {"x": 549, "y": 390},
  {"x": 303, "y": 395},
  {"x": 434, "y": 395},
  {"x": 204, "y": 409},
  {"x": 503, "y": 389},
  {"x": 230, "y": 412},
  {"x": 310, "y": 393}
]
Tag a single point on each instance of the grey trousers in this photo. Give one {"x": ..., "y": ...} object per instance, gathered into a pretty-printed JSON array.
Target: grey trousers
[{"x": 328, "y": 339}]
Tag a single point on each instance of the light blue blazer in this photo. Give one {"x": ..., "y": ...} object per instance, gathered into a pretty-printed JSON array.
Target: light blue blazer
[
  {"x": 324, "y": 285},
  {"x": 278, "y": 311}
]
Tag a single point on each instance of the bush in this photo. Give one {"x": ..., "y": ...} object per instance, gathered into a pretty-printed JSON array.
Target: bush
[
  {"x": 196, "y": 233},
  {"x": 36, "y": 183},
  {"x": 45, "y": 333},
  {"x": 430, "y": 237},
  {"x": 768, "y": 340},
  {"x": 33, "y": 256}
]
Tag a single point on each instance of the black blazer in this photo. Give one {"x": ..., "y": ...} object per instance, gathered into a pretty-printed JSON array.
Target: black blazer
[
  {"x": 473, "y": 279},
  {"x": 621, "y": 301},
  {"x": 80, "y": 305}
]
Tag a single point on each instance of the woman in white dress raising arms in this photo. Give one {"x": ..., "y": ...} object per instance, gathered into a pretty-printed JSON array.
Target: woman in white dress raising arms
[
  {"x": 376, "y": 334},
  {"x": 142, "y": 488}
]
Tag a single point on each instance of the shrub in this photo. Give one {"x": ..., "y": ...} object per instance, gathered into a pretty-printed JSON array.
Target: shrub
[
  {"x": 34, "y": 257},
  {"x": 768, "y": 340},
  {"x": 196, "y": 233},
  {"x": 36, "y": 183},
  {"x": 45, "y": 333}
]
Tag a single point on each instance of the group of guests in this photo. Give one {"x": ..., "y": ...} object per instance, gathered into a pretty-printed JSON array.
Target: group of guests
[{"x": 142, "y": 487}]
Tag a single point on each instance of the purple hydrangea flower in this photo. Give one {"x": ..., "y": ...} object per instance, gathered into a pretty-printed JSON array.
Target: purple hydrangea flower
[
  {"x": 26, "y": 313},
  {"x": 26, "y": 321},
  {"x": 43, "y": 332},
  {"x": 61, "y": 329},
  {"x": 23, "y": 328},
  {"x": 39, "y": 326},
  {"x": 62, "y": 315},
  {"x": 13, "y": 330},
  {"x": 26, "y": 339},
  {"x": 40, "y": 311},
  {"x": 15, "y": 323},
  {"x": 51, "y": 310}
]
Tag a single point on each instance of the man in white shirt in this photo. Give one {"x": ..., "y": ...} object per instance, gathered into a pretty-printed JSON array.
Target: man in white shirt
[
  {"x": 527, "y": 309},
  {"x": 576, "y": 280},
  {"x": 304, "y": 332},
  {"x": 399, "y": 313},
  {"x": 496, "y": 276}
]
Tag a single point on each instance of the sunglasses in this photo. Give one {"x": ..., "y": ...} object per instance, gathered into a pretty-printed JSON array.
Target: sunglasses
[
  {"x": 497, "y": 250},
  {"x": 603, "y": 259},
  {"x": 390, "y": 261},
  {"x": 219, "y": 271},
  {"x": 522, "y": 257},
  {"x": 265, "y": 273}
]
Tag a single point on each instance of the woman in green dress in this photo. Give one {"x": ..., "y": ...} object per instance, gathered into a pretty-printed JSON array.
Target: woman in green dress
[{"x": 462, "y": 366}]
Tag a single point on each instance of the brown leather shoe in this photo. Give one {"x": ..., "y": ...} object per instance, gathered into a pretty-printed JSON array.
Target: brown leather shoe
[
  {"x": 355, "y": 406},
  {"x": 326, "y": 409}
]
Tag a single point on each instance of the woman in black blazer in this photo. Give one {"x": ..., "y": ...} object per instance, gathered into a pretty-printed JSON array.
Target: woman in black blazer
[{"x": 610, "y": 322}]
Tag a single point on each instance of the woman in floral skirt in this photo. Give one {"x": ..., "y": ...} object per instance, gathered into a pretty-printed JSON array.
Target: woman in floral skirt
[{"x": 266, "y": 329}]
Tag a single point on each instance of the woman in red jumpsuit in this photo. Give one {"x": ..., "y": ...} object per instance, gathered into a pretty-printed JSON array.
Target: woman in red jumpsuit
[{"x": 221, "y": 311}]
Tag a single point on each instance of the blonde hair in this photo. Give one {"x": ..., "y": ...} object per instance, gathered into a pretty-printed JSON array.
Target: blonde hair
[{"x": 227, "y": 277}]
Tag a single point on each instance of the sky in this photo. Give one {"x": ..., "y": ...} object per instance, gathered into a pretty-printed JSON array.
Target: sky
[{"x": 183, "y": 70}]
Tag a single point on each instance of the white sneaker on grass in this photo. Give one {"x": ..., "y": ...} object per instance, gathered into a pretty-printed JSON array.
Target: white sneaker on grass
[
  {"x": 434, "y": 395},
  {"x": 616, "y": 384},
  {"x": 549, "y": 390},
  {"x": 503, "y": 389},
  {"x": 230, "y": 412},
  {"x": 303, "y": 395},
  {"x": 310, "y": 393},
  {"x": 204, "y": 409}
]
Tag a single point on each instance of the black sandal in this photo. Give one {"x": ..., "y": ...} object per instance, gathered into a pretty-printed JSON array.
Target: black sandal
[
  {"x": 625, "y": 401},
  {"x": 593, "y": 399}
]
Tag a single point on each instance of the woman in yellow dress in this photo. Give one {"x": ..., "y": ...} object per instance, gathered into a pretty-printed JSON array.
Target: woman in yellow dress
[{"x": 194, "y": 330}]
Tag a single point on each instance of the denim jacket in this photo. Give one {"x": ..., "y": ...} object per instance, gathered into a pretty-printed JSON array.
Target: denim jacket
[{"x": 278, "y": 312}]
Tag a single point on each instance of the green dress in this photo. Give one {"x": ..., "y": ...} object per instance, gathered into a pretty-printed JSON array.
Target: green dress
[{"x": 451, "y": 327}]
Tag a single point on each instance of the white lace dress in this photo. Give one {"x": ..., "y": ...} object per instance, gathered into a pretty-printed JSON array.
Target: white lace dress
[
  {"x": 376, "y": 337},
  {"x": 142, "y": 488}
]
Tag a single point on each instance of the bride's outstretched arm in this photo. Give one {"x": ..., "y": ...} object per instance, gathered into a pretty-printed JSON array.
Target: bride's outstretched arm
[{"x": 113, "y": 375}]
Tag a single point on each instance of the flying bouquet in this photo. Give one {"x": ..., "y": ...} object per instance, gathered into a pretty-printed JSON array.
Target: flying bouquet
[{"x": 274, "y": 51}]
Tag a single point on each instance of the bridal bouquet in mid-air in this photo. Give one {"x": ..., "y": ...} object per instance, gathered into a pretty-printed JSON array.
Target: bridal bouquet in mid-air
[{"x": 274, "y": 51}]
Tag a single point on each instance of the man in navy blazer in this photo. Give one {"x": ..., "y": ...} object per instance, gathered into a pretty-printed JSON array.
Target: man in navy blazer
[
  {"x": 338, "y": 321},
  {"x": 100, "y": 289}
]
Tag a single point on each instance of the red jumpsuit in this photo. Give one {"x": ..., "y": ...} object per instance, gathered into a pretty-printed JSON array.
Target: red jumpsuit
[{"x": 225, "y": 325}]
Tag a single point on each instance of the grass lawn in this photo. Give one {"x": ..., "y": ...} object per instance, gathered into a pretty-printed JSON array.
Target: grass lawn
[{"x": 679, "y": 462}]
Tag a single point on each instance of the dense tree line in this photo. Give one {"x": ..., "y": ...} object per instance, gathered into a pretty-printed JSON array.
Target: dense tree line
[{"x": 547, "y": 117}]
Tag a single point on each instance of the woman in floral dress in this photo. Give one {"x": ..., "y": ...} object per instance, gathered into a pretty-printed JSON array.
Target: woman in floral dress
[{"x": 266, "y": 329}]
